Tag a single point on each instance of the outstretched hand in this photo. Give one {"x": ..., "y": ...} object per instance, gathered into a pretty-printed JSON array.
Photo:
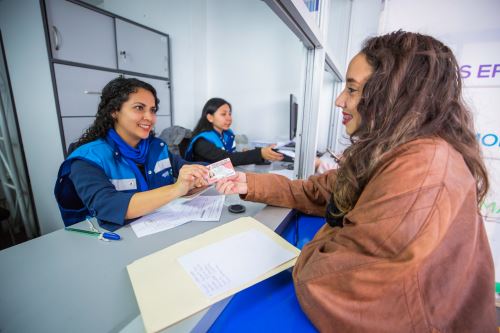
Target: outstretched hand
[
  {"x": 190, "y": 176},
  {"x": 324, "y": 163},
  {"x": 269, "y": 154},
  {"x": 236, "y": 184}
]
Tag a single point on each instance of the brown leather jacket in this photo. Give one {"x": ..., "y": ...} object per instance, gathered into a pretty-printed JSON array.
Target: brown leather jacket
[{"x": 412, "y": 256}]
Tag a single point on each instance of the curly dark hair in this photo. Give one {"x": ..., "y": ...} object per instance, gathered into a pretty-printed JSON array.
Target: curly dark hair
[
  {"x": 415, "y": 91},
  {"x": 113, "y": 95}
]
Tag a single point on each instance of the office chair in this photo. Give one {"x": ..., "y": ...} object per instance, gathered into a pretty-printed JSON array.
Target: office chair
[
  {"x": 183, "y": 146},
  {"x": 177, "y": 138}
]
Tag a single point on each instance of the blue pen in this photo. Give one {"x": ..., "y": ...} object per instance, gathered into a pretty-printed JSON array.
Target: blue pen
[{"x": 100, "y": 235}]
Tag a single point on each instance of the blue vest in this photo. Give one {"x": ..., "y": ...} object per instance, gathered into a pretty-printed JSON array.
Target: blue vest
[
  {"x": 224, "y": 141},
  {"x": 105, "y": 155}
]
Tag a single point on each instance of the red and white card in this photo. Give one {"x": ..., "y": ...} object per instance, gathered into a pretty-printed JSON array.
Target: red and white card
[{"x": 220, "y": 170}]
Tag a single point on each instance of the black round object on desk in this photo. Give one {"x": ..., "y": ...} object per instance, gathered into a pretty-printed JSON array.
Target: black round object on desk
[{"x": 236, "y": 209}]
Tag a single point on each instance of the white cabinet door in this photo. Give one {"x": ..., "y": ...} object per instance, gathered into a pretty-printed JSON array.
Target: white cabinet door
[
  {"x": 74, "y": 127},
  {"x": 81, "y": 35},
  {"x": 79, "y": 89},
  {"x": 162, "y": 122},
  {"x": 162, "y": 92},
  {"x": 141, "y": 50}
]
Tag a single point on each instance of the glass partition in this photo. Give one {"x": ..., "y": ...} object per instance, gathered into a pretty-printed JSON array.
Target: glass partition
[
  {"x": 331, "y": 133},
  {"x": 337, "y": 32}
]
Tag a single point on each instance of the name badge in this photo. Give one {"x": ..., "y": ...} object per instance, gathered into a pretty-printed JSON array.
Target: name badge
[
  {"x": 162, "y": 165},
  {"x": 124, "y": 184}
]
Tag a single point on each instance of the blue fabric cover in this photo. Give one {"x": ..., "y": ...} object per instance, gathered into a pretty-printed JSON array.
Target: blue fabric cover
[
  {"x": 271, "y": 305},
  {"x": 224, "y": 141}
]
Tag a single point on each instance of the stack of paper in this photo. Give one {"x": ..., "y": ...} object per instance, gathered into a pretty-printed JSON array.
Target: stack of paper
[
  {"x": 175, "y": 213},
  {"x": 185, "y": 278}
]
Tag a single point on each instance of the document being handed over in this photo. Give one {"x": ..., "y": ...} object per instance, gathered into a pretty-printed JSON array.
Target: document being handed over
[{"x": 175, "y": 213}]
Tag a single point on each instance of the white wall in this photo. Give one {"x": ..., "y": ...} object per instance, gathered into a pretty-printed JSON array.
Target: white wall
[
  {"x": 337, "y": 34},
  {"x": 255, "y": 62},
  {"x": 472, "y": 30},
  {"x": 28, "y": 65},
  {"x": 185, "y": 23},
  {"x": 364, "y": 22},
  {"x": 235, "y": 49}
]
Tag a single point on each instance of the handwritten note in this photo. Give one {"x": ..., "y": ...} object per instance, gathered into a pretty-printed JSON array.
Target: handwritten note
[{"x": 234, "y": 261}]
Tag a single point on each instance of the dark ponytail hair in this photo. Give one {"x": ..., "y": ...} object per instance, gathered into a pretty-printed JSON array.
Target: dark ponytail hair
[
  {"x": 113, "y": 95},
  {"x": 210, "y": 107}
]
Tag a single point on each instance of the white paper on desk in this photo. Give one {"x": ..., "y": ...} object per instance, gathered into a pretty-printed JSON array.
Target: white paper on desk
[
  {"x": 202, "y": 208},
  {"x": 264, "y": 143},
  {"x": 210, "y": 207},
  {"x": 178, "y": 212},
  {"x": 157, "y": 222},
  {"x": 234, "y": 261},
  {"x": 289, "y": 153}
]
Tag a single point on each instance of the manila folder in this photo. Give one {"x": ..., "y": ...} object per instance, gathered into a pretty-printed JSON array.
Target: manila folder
[{"x": 167, "y": 293}]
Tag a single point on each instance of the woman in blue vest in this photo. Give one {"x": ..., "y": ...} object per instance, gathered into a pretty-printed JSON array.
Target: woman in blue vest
[
  {"x": 213, "y": 139},
  {"x": 119, "y": 170}
]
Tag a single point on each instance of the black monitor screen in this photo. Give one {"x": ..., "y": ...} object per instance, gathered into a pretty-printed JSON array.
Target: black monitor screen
[{"x": 294, "y": 110}]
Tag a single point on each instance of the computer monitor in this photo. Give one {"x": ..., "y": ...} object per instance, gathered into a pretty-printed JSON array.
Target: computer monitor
[{"x": 294, "y": 110}]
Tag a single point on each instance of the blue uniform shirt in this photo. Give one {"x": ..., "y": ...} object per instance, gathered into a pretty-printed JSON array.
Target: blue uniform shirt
[
  {"x": 223, "y": 141},
  {"x": 95, "y": 180}
]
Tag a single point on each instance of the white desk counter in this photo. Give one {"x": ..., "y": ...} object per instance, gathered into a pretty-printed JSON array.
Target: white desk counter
[{"x": 67, "y": 282}]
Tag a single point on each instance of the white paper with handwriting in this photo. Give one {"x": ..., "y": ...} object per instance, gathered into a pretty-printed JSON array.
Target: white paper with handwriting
[{"x": 234, "y": 261}]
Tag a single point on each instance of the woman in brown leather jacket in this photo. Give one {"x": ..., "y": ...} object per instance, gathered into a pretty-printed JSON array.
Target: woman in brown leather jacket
[{"x": 404, "y": 248}]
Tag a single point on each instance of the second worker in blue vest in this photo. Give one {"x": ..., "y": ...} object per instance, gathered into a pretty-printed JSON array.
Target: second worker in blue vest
[
  {"x": 213, "y": 140},
  {"x": 119, "y": 171}
]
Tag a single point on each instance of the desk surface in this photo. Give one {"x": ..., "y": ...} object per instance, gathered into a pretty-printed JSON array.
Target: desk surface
[{"x": 66, "y": 282}]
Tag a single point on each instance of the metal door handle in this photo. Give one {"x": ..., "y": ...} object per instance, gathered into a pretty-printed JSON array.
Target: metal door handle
[
  {"x": 87, "y": 92},
  {"x": 56, "y": 38}
]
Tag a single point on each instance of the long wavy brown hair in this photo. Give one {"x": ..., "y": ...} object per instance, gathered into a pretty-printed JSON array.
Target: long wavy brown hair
[
  {"x": 415, "y": 91},
  {"x": 114, "y": 94}
]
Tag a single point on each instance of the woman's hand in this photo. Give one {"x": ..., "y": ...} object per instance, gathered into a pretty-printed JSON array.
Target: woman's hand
[
  {"x": 236, "y": 184},
  {"x": 190, "y": 176},
  {"x": 324, "y": 163},
  {"x": 269, "y": 154}
]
